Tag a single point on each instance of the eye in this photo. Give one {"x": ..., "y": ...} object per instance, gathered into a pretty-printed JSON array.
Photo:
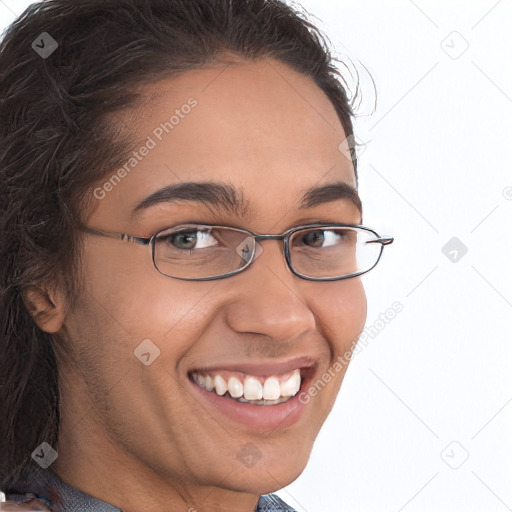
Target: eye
[
  {"x": 190, "y": 239},
  {"x": 324, "y": 238}
]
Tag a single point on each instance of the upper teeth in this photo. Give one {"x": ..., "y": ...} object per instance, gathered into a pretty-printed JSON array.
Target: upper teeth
[{"x": 251, "y": 388}]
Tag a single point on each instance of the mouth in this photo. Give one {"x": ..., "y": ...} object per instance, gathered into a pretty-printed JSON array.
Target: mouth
[{"x": 262, "y": 395}]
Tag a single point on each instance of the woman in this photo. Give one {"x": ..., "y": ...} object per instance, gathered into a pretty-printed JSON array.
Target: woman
[{"x": 160, "y": 352}]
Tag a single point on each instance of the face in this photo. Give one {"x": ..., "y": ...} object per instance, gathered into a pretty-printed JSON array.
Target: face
[{"x": 271, "y": 134}]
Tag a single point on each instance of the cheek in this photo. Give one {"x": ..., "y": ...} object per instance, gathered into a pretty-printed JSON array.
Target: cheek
[
  {"x": 341, "y": 312},
  {"x": 127, "y": 301},
  {"x": 122, "y": 279},
  {"x": 341, "y": 315}
]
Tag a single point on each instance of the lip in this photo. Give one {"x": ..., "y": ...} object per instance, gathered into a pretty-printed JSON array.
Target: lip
[{"x": 258, "y": 417}]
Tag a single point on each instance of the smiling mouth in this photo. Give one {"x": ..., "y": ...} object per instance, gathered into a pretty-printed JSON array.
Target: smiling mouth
[{"x": 251, "y": 389}]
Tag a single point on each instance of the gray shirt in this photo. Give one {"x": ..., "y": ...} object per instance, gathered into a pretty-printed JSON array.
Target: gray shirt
[{"x": 59, "y": 496}]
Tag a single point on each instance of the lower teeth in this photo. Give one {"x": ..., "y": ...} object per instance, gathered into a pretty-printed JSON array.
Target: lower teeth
[{"x": 259, "y": 402}]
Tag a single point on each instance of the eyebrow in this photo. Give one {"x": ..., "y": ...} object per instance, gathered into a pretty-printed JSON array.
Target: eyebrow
[{"x": 225, "y": 197}]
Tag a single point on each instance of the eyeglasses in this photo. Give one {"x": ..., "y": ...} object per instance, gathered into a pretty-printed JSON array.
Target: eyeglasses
[{"x": 316, "y": 252}]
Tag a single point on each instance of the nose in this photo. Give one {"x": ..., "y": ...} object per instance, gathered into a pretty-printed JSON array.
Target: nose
[{"x": 269, "y": 298}]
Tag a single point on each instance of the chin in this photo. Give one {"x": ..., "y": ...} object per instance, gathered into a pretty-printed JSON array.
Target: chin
[
  {"x": 264, "y": 480},
  {"x": 270, "y": 473}
]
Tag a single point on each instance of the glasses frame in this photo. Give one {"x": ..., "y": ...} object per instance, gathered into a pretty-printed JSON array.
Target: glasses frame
[{"x": 285, "y": 237}]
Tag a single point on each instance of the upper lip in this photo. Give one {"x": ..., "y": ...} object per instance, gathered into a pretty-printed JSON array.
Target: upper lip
[{"x": 263, "y": 368}]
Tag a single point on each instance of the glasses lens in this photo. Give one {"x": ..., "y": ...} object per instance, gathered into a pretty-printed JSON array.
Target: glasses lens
[
  {"x": 196, "y": 251},
  {"x": 333, "y": 252}
]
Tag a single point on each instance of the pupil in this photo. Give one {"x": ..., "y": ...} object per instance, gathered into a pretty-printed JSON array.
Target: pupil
[
  {"x": 189, "y": 238},
  {"x": 313, "y": 237}
]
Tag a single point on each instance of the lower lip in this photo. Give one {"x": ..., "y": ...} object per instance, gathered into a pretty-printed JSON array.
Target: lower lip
[{"x": 257, "y": 417}]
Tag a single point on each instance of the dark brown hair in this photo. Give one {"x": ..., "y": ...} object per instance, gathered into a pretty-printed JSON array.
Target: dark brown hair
[{"x": 57, "y": 140}]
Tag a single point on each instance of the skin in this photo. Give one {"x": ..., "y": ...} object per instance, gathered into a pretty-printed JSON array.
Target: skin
[{"x": 132, "y": 435}]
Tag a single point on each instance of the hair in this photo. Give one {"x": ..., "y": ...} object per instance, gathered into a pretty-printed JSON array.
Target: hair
[{"x": 58, "y": 137}]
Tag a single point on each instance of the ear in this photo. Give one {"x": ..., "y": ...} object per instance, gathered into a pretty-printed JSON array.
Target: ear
[{"x": 46, "y": 306}]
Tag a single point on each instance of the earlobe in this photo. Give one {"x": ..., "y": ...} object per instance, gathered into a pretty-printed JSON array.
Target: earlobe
[{"x": 46, "y": 307}]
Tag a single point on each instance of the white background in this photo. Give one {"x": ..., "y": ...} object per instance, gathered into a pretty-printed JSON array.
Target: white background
[{"x": 434, "y": 385}]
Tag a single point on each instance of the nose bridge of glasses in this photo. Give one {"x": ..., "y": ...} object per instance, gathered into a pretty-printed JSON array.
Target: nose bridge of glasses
[
  {"x": 258, "y": 249},
  {"x": 268, "y": 237},
  {"x": 246, "y": 238},
  {"x": 261, "y": 238}
]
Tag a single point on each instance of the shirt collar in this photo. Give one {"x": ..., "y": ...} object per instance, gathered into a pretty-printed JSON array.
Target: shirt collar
[{"x": 62, "y": 497}]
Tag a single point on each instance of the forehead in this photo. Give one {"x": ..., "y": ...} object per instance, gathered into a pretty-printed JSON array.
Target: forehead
[{"x": 260, "y": 126}]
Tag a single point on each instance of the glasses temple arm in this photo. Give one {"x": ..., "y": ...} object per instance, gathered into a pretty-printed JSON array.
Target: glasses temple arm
[
  {"x": 384, "y": 240},
  {"x": 118, "y": 236}
]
